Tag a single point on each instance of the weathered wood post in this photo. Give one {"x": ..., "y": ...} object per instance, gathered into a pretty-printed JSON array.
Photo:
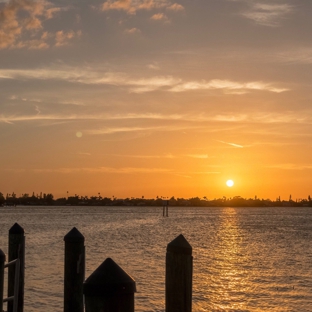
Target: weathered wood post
[
  {"x": 2, "y": 261},
  {"x": 16, "y": 251},
  {"x": 179, "y": 270},
  {"x": 74, "y": 271},
  {"x": 109, "y": 289}
]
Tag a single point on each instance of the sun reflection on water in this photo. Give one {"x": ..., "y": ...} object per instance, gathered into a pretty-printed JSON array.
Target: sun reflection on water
[{"x": 227, "y": 276}]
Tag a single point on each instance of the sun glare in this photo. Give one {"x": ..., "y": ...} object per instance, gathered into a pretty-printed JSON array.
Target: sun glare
[{"x": 229, "y": 183}]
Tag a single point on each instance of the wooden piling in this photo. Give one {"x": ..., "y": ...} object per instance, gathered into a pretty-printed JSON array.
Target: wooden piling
[
  {"x": 74, "y": 271},
  {"x": 165, "y": 208},
  {"x": 179, "y": 271},
  {"x": 2, "y": 262},
  {"x": 16, "y": 251},
  {"x": 109, "y": 289}
]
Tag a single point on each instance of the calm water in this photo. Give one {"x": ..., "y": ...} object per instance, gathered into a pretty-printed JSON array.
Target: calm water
[{"x": 245, "y": 259}]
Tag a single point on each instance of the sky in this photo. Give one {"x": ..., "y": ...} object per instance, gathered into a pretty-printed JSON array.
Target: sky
[{"x": 131, "y": 98}]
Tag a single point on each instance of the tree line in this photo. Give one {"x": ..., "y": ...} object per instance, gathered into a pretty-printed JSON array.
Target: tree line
[{"x": 44, "y": 199}]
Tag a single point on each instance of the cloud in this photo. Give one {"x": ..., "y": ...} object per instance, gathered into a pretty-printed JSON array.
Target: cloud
[
  {"x": 32, "y": 23},
  {"x": 21, "y": 19},
  {"x": 49, "y": 13},
  {"x": 100, "y": 117},
  {"x": 136, "y": 85},
  {"x": 5, "y": 120},
  {"x": 175, "y": 7},
  {"x": 198, "y": 156},
  {"x": 62, "y": 38},
  {"x": 133, "y": 30},
  {"x": 121, "y": 170},
  {"x": 231, "y": 117},
  {"x": 291, "y": 166},
  {"x": 298, "y": 55},
  {"x": 169, "y": 156},
  {"x": 15, "y": 97},
  {"x": 37, "y": 109},
  {"x": 232, "y": 144},
  {"x": 159, "y": 17},
  {"x": 225, "y": 85},
  {"x": 132, "y": 6},
  {"x": 267, "y": 14},
  {"x": 33, "y": 44},
  {"x": 119, "y": 129},
  {"x": 152, "y": 123},
  {"x": 153, "y": 66},
  {"x": 114, "y": 170}
]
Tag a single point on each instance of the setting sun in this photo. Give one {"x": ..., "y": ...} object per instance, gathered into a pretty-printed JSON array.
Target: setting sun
[{"x": 229, "y": 183}]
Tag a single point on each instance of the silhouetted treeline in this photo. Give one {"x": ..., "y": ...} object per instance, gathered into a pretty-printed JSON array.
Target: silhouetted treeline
[{"x": 237, "y": 201}]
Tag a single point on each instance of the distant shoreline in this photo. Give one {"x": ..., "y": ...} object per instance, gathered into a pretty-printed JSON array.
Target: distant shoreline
[{"x": 236, "y": 201}]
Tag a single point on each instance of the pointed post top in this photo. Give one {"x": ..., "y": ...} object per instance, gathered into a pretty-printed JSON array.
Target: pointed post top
[
  {"x": 74, "y": 236},
  {"x": 180, "y": 245},
  {"x": 16, "y": 229},
  {"x": 2, "y": 256},
  {"x": 110, "y": 278}
]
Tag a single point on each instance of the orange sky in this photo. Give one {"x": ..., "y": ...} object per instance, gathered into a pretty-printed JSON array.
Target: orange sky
[{"x": 156, "y": 98}]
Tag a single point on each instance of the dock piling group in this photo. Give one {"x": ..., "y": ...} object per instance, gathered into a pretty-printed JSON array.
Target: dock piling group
[
  {"x": 109, "y": 288},
  {"x": 165, "y": 208}
]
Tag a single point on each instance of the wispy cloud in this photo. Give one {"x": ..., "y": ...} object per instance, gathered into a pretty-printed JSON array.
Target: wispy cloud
[
  {"x": 133, "y": 30},
  {"x": 179, "y": 122},
  {"x": 202, "y": 172},
  {"x": 295, "y": 56},
  {"x": 198, "y": 156},
  {"x": 119, "y": 129},
  {"x": 132, "y": 6},
  {"x": 226, "y": 85},
  {"x": 153, "y": 66},
  {"x": 290, "y": 166},
  {"x": 137, "y": 85},
  {"x": 267, "y": 14},
  {"x": 121, "y": 170},
  {"x": 113, "y": 170},
  {"x": 15, "y": 97},
  {"x": 231, "y": 144},
  {"x": 168, "y": 156},
  {"x": 6, "y": 120},
  {"x": 84, "y": 117}
]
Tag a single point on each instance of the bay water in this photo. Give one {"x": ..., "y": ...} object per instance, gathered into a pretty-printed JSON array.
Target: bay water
[{"x": 245, "y": 259}]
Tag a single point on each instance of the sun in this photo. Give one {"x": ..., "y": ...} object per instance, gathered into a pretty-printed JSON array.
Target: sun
[{"x": 229, "y": 183}]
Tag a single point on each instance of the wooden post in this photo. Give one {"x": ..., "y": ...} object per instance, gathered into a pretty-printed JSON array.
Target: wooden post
[
  {"x": 74, "y": 271},
  {"x": 16, "y": 251},
  {"x": 179, "y": 270},
  {"x": 109, "y": 289},
  {"x": 165, "y": 208},
  {"x": 2, "y": 261}
]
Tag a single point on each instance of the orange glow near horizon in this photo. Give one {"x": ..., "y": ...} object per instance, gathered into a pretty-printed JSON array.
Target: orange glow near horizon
[{"x": 132, "y": 106}]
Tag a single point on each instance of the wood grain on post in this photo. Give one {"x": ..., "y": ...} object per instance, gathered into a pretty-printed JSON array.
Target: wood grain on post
[
  {"x": 109, "y": 289},
  {"x": 16, "y": 251},
  {"x": 74, "y": 271},
  {"x": 2, "y": 261},
  {"x": 179, "y": 271}
]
